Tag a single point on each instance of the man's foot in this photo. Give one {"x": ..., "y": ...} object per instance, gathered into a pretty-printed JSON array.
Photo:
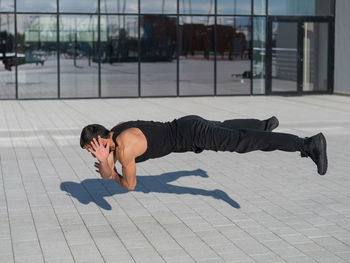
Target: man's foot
[
  {"x": 271, "y": 124},
  {"x": 316, "y": 149}
]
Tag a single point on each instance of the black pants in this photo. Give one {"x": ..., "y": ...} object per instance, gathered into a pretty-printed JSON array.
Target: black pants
[{"x": 239, "y": 135}]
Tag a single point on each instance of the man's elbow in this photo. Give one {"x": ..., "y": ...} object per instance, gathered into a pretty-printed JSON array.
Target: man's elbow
[{"x": 130, "y": 187}]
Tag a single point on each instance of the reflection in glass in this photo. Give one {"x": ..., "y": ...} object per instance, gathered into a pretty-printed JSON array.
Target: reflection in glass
[
  {"x": 233, "y": 55},
  {"x": 6, "y": 5},
  {"x": 159, "y": 6},
  {"x": 158, "y": 55},
  {"x": 37, "y": 56},
  {"x": 284, "y": 56},
  {"x": 301, "y": 7},
  {"x": 119, "y": 56},
  {"x": 236, "y": 7},
  {"x": 197, "y": 7},
  {"x": 315, "y": 62},
  {"x": 78, "y": 56},
  {"x": 260, "y": 7},
  {"x": 259, "y": 42},
  {"x": 119, "y": 6},
  {"x": 36, "y": 6},
  {"x": 7, "y": 57},
  {"x": 79, "y": 6},
  {"x": 196, "y": 55}
]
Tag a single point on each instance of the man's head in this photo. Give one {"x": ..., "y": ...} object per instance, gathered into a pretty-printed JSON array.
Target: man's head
[{"x": 92, "y": 131}]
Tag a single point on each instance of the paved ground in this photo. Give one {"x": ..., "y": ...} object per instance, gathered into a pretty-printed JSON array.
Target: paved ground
[{"x": 209, "y": 207}]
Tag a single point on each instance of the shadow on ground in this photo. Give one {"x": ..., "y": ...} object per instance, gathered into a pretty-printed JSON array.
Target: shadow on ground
[{"x": 94, "y": 190}]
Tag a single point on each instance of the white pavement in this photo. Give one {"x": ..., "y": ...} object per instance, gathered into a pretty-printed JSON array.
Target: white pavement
[{"x": 208, "y": 207}]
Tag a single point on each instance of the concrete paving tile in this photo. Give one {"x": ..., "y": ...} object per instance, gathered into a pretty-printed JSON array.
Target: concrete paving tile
[
  {"x": 6, "y": 258},
  {"x": 123, "y": 258},
  {"x": 287, "y": 252},
  {"x": 332, "y": 244},
  {"x": 24, "y": 233},
  {"x": 272, "y": 258},
  {"x": 324, "y": 256},
  {"x": 85, "y": 252},
  {"x": 76, "y": 234},
  {"x": 26, "y": 248},
  {"x": 29, "y": 258},
  {"x": 5, "y": 247}
]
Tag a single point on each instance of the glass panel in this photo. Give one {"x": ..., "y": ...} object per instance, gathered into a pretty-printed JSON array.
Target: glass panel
[
  {"x": 36, "y": 6},
  {"x": 260, "y": 7},
  {"x": 196, "y": 55},
  {"x": 7, "y": 57},
  {"x": 236, "y": 7},
  {"x": 315, "y": 62},
  {"x": 284, "y": 56},
  {"x": 118, "y": 6},
  {"x": 233, "y": 59},
  {"x": 79, "y": 56},
  {"x": 119, "y": 56},
  {"x": 259, "y": 43},
  {"x": 86, "y": 6},
  {"x": 158, "y": 55},
  {"x": 37, "y": 56},
  {"x": 7, "y": 5},
  {"x": 301, "y": 7},
  {"x": 197, "y": 6},
  {"x": 159, "y": 6}
]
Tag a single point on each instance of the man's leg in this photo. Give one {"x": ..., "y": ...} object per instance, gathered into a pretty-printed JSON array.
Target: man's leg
[
  {"x": 213, "y": 137},
  {"x": 253, "y": 124}
]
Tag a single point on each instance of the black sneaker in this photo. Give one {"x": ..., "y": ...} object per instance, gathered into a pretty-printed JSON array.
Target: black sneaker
[
  {"x": 271, "y": 124},
  {"x": 316, "y": 149}
]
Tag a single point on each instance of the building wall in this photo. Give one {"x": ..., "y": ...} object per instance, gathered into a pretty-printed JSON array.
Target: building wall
[{"x": 342, "y": 47}]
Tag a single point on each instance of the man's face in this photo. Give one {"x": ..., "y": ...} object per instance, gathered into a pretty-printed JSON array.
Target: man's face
[{"x": 89, "y": 148}]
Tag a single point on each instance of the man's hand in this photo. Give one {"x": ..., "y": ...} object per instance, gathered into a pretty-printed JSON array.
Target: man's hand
[
  {"x": 98, "y": 150},
  {"x": 98, "y": 170}
]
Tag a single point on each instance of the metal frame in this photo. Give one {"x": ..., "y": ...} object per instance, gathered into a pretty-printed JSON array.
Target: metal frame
[
  {"x": 178, "y": 14},
  {"x": 300, "y": 20}
]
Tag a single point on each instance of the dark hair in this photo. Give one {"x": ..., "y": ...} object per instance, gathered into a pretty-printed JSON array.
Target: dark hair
[{"x": 92, "y": 131}]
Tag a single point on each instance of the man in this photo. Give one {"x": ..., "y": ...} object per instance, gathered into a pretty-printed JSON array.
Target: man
[{"x": 137, "y": 141}]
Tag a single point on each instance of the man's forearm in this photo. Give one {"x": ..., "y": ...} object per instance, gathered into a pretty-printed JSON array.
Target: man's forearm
[
  {"x": 108, "y": 173},
  {"x": 120, "y": 180}
]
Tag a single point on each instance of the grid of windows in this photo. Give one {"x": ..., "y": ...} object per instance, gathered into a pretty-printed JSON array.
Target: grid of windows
[{"x": 130, "y": 48}]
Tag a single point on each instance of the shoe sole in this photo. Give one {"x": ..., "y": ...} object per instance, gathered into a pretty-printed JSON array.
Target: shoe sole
[
  {"x": 322, "y": 163},
  {"x": 274, "y": 124}
]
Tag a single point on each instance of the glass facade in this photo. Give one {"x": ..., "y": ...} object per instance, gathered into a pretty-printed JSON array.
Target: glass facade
[
  {"x": 233, "y": 38},
  {"x": 259, "y": 55},
  {"x": 301, "y": 7},
  {"x": 7, "y": 56},
  {"x": 196, "y": 58},
  {"x": 120, "y": 48},
  {"x": 119, "y": 55},
  {"x": 37, "y": 56}
]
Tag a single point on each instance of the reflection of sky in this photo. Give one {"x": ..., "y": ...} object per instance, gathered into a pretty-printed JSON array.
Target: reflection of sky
[
  {"x": 78, "y": 6},
  {"x": 259, "y": 7},
  {"x": 37, "y": 5},
  {"x": 119, "y": 6},
  {"x": 234, "y": 7},
  {"x": 296, "y": 7},
  {"x": 197, "y": 7},
  {"x": 156, "y": 6},
  {"x": 6, "y": 5}
]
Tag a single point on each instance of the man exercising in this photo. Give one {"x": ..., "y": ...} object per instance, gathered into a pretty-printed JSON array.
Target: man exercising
[{"x": 137, "y": 141}]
